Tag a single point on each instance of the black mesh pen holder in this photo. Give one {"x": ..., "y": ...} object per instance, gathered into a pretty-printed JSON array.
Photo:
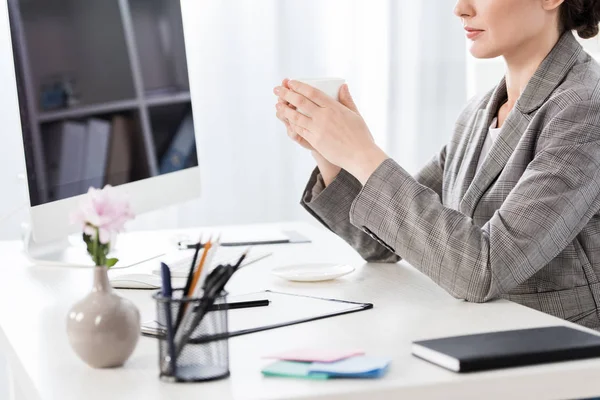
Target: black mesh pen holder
[{"x": 205, "y": 357}]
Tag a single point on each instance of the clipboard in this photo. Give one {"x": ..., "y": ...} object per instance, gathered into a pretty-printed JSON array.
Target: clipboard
[
  {"x": 298, "y": 309},
  {"x": 289, "y": 237}
]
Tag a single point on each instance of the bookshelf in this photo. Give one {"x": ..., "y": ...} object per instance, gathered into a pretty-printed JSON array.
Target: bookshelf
[
  {"x": 124, "y": 57},
  {"x": 88, "y": 111},
  {"x": 483, "y": 75}
]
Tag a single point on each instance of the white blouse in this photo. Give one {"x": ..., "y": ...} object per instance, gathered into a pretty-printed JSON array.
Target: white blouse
[{"x": 493, "y": 133}]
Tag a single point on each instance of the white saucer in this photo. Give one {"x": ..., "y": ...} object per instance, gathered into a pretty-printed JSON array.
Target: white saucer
[{"x": 312, "y": 272}]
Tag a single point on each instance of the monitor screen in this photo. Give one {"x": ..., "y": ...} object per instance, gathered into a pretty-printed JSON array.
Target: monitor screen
[{"x": 103, "y": 92}]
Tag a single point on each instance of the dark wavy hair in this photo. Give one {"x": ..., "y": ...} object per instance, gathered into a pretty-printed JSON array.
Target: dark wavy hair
[{"x": 582, "y": 16}]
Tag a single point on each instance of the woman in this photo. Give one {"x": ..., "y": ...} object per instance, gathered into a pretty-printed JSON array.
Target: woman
[{"x": 510, "y": 207}]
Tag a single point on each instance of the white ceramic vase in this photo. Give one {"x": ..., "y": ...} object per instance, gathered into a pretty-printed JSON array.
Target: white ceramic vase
[{"x": 103, "y": 328}]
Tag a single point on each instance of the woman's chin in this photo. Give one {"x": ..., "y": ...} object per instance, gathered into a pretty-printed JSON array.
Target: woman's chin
[{"x": 482, "y": 52}]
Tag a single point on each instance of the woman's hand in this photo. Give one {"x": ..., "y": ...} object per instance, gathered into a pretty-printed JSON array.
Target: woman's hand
[
  {"x": 328, "y": 170},
  {"x": 334, "y": 130},
  {"x": 290, "y": 130}
]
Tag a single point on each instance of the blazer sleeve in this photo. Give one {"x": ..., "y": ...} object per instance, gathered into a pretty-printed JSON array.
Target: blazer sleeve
[
  {"x": 432, "y": 174},
  {"x": 331, "y": 206},
  {"x": 553, "y": 200}
]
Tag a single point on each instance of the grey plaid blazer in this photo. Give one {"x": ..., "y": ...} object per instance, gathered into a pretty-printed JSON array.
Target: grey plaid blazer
[{"x": 525, "y": 227}]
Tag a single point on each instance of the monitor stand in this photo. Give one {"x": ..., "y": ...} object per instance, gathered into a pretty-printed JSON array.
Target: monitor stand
[{"x": 131, "y": 249}]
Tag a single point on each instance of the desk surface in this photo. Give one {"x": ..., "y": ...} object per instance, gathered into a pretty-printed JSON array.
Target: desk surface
[{"x": 408, "y": 307}]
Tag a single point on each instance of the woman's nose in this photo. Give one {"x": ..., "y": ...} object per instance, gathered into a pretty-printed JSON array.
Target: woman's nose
[{"x": 463, "y": 9}]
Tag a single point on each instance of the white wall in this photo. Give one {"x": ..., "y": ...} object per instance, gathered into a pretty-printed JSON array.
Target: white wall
[{"x": 4, "y": 379}]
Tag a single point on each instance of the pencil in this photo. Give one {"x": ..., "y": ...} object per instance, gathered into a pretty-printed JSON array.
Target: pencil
[
  {"x": 208, "y": 264},
  {"x": 198, "y": 271}
]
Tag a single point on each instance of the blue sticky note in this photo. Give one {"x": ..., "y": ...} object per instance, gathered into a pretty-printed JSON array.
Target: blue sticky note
[
  {"x": 291, "y": 369},
  {"x": 355, "y": 367}
]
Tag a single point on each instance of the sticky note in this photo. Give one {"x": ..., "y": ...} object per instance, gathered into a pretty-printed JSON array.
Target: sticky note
[
  {"x": 289, "y": 369},
  {"x": 316, "y": 355},
  {"x": 355, "y": 367}
]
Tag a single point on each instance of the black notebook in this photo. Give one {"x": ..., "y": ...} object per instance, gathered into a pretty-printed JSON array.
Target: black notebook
[{"x": 508, "y": 348}]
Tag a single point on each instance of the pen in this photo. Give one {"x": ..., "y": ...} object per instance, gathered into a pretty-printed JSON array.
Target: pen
[
  {"x": 185, "y": 246},
  {"x": 159, "y": 330},
  {"x": 190, "y": 320},
  {"x": 188, "y": 283},
  {"x": 183, "y": 314},
  {"x": 239, "y": 305},
  {"x": 241, "y": 260},
  {"x": 190, "y": 276},
  {"x": 167, "y": 293},
  {"x": 213, "y": 285}
]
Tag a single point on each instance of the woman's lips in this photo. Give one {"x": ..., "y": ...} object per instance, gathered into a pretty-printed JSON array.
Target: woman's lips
[{"x": 473, "y": 33}]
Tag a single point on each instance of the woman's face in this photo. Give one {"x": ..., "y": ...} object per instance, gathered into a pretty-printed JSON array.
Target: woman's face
[{"x": 499, "y": 27}]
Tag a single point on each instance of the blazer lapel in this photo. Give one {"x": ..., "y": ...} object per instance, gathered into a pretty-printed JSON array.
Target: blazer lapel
[
  {"x": 470, "y": 174},
  {"x": 466, "y": 171},
  {"x": 496, "y": 159},
  {"x": 547, "y": 78}
]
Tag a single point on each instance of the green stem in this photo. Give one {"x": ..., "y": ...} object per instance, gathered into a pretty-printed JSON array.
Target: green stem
[{"x": 96, "y": 244}]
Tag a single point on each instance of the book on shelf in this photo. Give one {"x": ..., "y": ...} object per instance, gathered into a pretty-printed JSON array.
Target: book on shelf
[
  {"x": 96, "y": 155},
  {"x": 52, "y": 143},
  {"x": 91, "y": 153},
  {"x": 182, "y": 149},
  {"x": 163, "y": 91},
  {"x": 71, "y": 152},
  {"x": 119, "y": 164}
]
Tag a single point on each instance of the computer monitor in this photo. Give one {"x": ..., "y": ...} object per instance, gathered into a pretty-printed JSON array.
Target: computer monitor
[{"x": 104, "y": 97}]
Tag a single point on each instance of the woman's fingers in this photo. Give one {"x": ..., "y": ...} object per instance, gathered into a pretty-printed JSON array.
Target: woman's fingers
[
  {"x": 297, "y": 138},
  {"x": 300, "y": 131},
  {"x": 280, "y": 116},
  {"x": 316, "y": 96},
  {"x": 291, "y": 132},
  {"x": 294, "y": 117},
  {"x": 285, "y": 84},
  {"x": 297, "y": 100},
  {"x": 291, "y": 129},
  {"x": 281, "y": 101}
]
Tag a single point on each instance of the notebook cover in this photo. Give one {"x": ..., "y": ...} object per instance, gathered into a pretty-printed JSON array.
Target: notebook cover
[{"x": 510, "y": 348}]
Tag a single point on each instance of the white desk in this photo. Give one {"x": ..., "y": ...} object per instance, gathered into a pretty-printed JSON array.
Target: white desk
[{"x": 408, "y": 306}]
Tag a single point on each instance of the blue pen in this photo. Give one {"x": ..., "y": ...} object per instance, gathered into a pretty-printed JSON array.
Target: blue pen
[{"x": 167, "y": 292}]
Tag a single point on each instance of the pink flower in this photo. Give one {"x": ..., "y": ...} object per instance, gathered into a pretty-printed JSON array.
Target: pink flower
[{"x": 104, "y": 209}]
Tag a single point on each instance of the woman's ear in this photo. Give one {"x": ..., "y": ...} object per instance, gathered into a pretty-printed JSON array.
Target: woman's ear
[{"x": 550, "y": 5}]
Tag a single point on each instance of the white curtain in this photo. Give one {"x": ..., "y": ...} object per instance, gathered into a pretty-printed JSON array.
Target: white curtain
[{"x": 404, "y": 62}]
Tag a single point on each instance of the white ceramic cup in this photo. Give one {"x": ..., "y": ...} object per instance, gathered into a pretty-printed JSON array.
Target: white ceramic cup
[{"x": 329, "y": 86}]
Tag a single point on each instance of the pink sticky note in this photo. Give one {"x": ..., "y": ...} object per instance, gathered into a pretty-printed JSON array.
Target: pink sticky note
[{"x": 316, "y": 355}]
